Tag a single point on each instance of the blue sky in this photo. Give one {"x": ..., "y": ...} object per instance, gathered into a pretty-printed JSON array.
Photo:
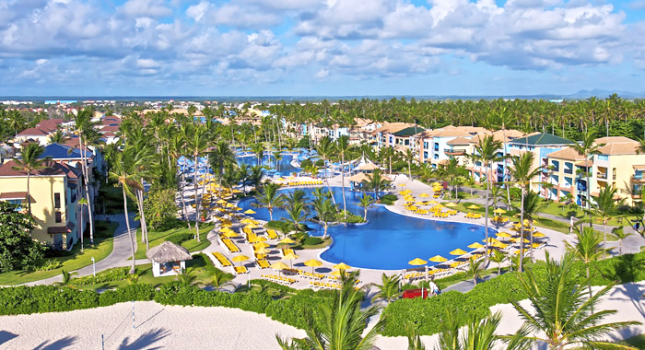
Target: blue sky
[{"x": 320, "y": 47}]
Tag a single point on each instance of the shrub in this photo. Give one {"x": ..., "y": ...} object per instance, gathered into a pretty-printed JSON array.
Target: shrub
[
  {"x": 181, "y": 237},
  {"x": 282, "y": 226},
  {"x": 388, "y": 199},
  {"x": 312, "y": 241},
  {"x": 111, "y": 275}
]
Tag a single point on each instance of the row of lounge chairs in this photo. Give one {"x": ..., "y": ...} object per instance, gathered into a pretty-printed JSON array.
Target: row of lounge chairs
[
  {"x": 303, "y": 183},
  {"x": 500, "y": 219},
  {"x": 222, "y": 260},
  {"x": 315, "y": 276},
  {"x": 240, "y": 270},
  {"x": 229, "y": 245},
  {"x": 325, "y": 285},
  {"x": 272, "y": 234},
  {"x": 278, "y": 279},
  {"x": 473, "y": 216},
  {"x": 285, "y": 251},
  {"x": 262, "y": 264},
  {"x": 431, "y": 272}
]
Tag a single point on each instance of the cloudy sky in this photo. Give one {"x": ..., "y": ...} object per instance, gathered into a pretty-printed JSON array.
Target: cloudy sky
[{"x": 320, "y": 47}]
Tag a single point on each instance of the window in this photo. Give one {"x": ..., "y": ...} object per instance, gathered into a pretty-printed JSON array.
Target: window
[
  {"x": 436, "y": 147},
  {"x": 425, "y": 155},
  {"x": 425, "y": 145},
  {"x": 57, "y": 200},
  {"x": 603, "y": 157},
  {"x": 58, "y": 216}
]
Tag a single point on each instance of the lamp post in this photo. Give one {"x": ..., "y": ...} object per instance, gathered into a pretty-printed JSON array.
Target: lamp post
[{"x": 93, "y": 267}]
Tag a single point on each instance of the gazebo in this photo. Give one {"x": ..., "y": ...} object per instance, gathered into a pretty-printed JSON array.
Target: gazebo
[
  {"x": 168, "y": 259},
  {"x": 356, "y": 181}
]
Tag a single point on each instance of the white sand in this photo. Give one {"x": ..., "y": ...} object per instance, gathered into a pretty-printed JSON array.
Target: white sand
[{"x": 158, "y": 327}]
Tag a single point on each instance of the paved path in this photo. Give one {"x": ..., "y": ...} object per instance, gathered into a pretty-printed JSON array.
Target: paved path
[{"x": 121, "y": 251}]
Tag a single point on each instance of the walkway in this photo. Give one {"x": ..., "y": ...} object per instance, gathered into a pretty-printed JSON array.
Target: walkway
[{"x": 121, "y": 251}]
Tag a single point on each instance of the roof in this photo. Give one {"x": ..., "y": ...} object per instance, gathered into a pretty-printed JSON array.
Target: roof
[
  {"x": 50, "y": 125},
  {"x": 112, "y": 128},
  {"x": 393, "y": 127},
  {"x": 53, "y": 230},
  {"x": 622, "y": 148},
  {"x": 585, "y": 163},
  {"x": 13, "y": 195},
  {"x": 459, "y": 141},
  {"x": 58, "y": 151},
  {"x": 168, "y": 252},
  {"x": 33, "y": 132},
  {"x": 409, "y": 131},
  {"x": 542, "y": 139},
  {"x": 52, "y": 169},
  {"x": 360, "y": 177},
  {"x": 613, "y": 139},
  {"x": 368, "y": 166},
  {"x": 568, "y": 153}
]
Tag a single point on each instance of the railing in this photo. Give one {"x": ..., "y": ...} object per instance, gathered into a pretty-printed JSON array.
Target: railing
[
  {"x": 568, "y": 171},
  {"x": 601, "y": 176}
]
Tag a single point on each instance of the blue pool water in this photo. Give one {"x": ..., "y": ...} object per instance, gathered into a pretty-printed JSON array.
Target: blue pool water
[
  {"x": 388, "y": 241},
  {"x": 284, "y": 165}
]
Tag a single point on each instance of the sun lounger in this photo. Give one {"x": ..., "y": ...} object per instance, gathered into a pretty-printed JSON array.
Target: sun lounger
[
  {"x": 272, "y": 234},
  {"x": 262, "y": 264},
  {"x": 240, "y": 270},
  {"x": 222, "y": 260}
]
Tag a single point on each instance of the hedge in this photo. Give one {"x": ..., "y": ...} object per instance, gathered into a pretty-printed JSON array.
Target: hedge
[{"x": 427, "y": 313}]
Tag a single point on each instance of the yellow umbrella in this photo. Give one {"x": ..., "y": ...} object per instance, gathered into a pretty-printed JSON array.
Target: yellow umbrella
[
  {"x": 402, "y": 185},
  {"x": 229, "y": 234},
  {"x": 279, "y": 266},
  {"x": 342, "y": 266},
  {"x": 249, "y": 212},
  {"x": 458, "y": 252},
  {"x": 291, "y": 257},
  {"x": 240, "y": 258},
  {"x": 255, "y": 239},
  {"x": 246, "y": 221},
  {"x": 286, "y": 240},
  {"x": 335, "y": 273},
  {"x": 221, "y": 201},
  {"x": 423, "y": 195},
  {"x": 230, "y": 205},
  {"x": 476, "y": 245},
  {"x": 251, "y": 226},
  {"x": 417, "y": 262},
  {"x": 499, "y": 211},
  {"x": 503, "y": 235},
  {"x": 438, "y": 258},
  {"x": 451, "y": 205},
  {"x": 236, "y": 191},
  {"x": 313, "y": 263},
  {"x": 500, "y": 245},
  {"x": 517, "y": 240},
  {"x": 538, "y": 234},
  {"x": 262, "y": 250},
  {"x": 236, "y": 208},
  {"x": 261, "y": 245},
  {"x": 436, "y": 183},
  {"x": 473, "y": 207},
  {"x": 490, "y": 240}
]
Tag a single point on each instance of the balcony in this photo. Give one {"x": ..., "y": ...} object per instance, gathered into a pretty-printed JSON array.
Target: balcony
[
  {"x": 454, "y": 152},
  {"x": 638, "y": 179},
  {"x": 568, "y": 171},
  {"x": 601, "y": 176},
  {"x": 581, "y": 187}
]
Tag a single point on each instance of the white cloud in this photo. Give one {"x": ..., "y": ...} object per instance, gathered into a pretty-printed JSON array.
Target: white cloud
[
  {"x": 146, "y": 8},
  {"x": 198, "y": 11}
]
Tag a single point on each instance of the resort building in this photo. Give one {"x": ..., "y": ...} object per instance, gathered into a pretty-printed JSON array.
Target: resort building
[
  {"x": 54, "y": 192},
  {"x": 565, "y": 170},
  {"x": 619, "y": 164},
  {"x": 398, "y": 135},
  {"x": 500, "y": 170}
]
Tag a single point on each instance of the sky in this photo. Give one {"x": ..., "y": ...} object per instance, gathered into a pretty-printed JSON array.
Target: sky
[{"x": 320, "y": 47}]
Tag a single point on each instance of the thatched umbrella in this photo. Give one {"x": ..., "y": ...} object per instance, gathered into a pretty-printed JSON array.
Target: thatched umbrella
[{"x": 168, "y": 252}]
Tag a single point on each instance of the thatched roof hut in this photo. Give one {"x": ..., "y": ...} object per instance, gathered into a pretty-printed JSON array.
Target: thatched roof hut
[{"x": 168, "y": 252}]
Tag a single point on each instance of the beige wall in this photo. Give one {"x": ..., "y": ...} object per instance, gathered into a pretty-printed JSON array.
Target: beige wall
[
  {"x": 42, "y": 191},
  {"x": 620, "y": 166}
]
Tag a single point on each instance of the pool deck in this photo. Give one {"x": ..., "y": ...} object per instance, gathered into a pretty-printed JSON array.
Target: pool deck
[{"x": 555, "y": 240}]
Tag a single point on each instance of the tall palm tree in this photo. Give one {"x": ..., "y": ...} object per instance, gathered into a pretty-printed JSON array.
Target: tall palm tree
[
  {"x": 85, "y": 130},
  {"x": 366, "y": 202},
  {"x": 30, "y": 160},
  {"x": 57, "y": 137},
  {"x": 522, "y": 174},
  {"x": 475, "y": 269},
  {"x": 606, "y": 205},
  {"x": 409, "y": 158},
  {"x": 325, "y": 149},
  {"x": 219, "y": 157},
  {"x": 258, "y": 149},
  {"x": 269, "y": 198},
  {"x": 388, "y": 290},
  {"x": 485, "y": 152},
  {"x": 588, "y": 148},
  {"x": 296, "y": 213},
  {"x": 339, "y": 324},
  {"x": 498, "y": 257},
  {"x": 197, "y": 143},
  {"x": 587, "y": 249},
  {"x": 620, "y": 234},
  {"x": 561, "y": 313},
  {"x": 342, "y": 145},
  {"x": 375, "y": 182},
  {"x": 123, "y": 171}
]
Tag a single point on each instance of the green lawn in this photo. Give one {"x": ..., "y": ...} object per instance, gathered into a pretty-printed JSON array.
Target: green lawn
[
  {"x": 200, "y": 267},
  {"x": 635, "y": 341},
  {"x": 158, "y": 237},
  {"x": 566, "y": 211},
  {"x": 104, "y": 239}
]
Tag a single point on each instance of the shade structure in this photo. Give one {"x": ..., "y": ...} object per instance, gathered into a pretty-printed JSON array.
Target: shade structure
[
  {"x": 236, "y": 191},
  {"x": 402, "y": 185},
  {"x": 538, "y": 234},
  {"x": 490, "y": 240},
  {"x": 221, "y": 201},
  {"x": 473, "y": 207},
  {"x": 503, "y": 234},
  {"x": 438, "y": 259},
  {"x": 342, "y": 266},
  {"x": 290, "y": 256},
  {"x": 499, "y": 211},
  {"x": 417, "y": 262},
  {"x": 286, "y": 240},
  {"x": 458, "y": 252},
  {"x": 476, "y": 245},
  {"x": 313, "y": 263},
  {"x": 261, "y": 245},
  {"x": 240, "y": 258},
  {"x": 335, "y": 273},
  {"x": 517, "y": 240},
  {"x": 249, "y": 211},
  {"x": 168, "y": 252},
  {"x": 499, "y": 245},
  {"x": 279, "y": 266},
  {"x": 236, "y": 208},
  {"x": 247, "y": 221},
  {"x": 424, "y": 195},
  {"x": 229, "y": 234},
  {"x": 262, "y": 250},
  {"x": 451, "y": 205}
]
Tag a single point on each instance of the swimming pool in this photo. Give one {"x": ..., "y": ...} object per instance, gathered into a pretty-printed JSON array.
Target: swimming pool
[
  {"x": 284, "y": 165},
  {"x": 388, "y": 241}
]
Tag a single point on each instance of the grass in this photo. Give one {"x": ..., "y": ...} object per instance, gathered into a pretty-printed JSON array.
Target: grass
[
  {"x": 637, "y": 341},
  {"x": 199, "y": 267},
  {"x": 111, "y": 198},
  {"x": 565, "y": 211},
  {"x": 104, "y": 238},
  {"x": 158, "y": 237},
  {"x": 324, "y": 244}
]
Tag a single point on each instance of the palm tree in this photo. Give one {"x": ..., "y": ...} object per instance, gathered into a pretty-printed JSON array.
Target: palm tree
[
  {"x": 82, "y": 202},
  {"x": 486, "y": 153},
  {"x": 388, "y": 290},
  {"x": 587, "y": 148},
  {"x": 258, "y": 149},
  {"x": 220, "y": 279},
  {"x": 325, "y": 149},
  {"x": 480, "y": 334},
  {"x": 586, "y": 248},
  {"x": 532, "y": 204},
  {"x": 197, "y": 143},
  {"x": 606, "y": 206},
  {"x": 186, "y": 278},
  {"x": 414, "y": 338},
  {"x": 325, "y": 214},
  {"x": 269, "y": 198},
  {"x": 219, "y": 157},
  {"x": 375, "y": 182},
  {"x": 342, "y": 145},
  {"x": 561, "y": 313},
  {"x": 475, "y": 269},
  {"x": 85, "y": 130},
  {"x": 296, "y": 213},
  {"x": 498, "y": 257},
  {"x": 453, "y": 171},
  {"x": 522, "y": 174},
  {"x": 124, "y": 173},
  {"x": 30, "y": 160},
  {"x": 620, "y": 234},
  {"x": 339, "y": 324},
  {"x": 277, "y": 157},
  {"x": 57, "y": 137},
  {"x": 409, "y": 158},
  {"x": 366, "y": 202}
]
